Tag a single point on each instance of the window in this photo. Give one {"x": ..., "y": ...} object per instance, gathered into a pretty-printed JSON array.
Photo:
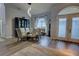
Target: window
[
  {"x": 75, "y": 28},
  {"x": 62, "y": 27},
  {"x": 41, "y": 23}
]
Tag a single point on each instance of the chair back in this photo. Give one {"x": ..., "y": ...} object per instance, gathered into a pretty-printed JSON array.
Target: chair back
[
  {"x": 23, "y": 31},
  {"x": 18, "y": 32}
]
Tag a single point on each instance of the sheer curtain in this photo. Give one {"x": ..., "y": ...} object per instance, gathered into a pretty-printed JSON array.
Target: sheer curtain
[{"x": 41, "y": 22}]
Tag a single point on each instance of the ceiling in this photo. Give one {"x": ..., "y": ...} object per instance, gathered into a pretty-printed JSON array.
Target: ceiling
[
  {"x": 39, "y": 8},
  {"x": 36, "y": 8}
]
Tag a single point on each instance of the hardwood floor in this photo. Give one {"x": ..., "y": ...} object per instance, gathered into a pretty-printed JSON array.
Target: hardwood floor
[
  {"x": 10, "y": 47},
  {"x": 44, "y": 47}
]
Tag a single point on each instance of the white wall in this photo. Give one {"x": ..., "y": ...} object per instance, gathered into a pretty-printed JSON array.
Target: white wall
[{"x": 11, "y": 12}]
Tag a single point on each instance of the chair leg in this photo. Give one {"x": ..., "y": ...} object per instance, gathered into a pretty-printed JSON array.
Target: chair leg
[{"x": 19, "y": 39}]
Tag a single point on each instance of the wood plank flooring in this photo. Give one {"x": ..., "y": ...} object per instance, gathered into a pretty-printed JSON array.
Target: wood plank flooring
[{"x": 44, "y": 47}]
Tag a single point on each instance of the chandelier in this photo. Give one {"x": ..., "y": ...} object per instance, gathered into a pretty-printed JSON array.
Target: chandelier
[{"x": 29, "y": 10}]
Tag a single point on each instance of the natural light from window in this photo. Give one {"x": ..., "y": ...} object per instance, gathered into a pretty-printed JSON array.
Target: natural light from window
[
  {"x": 62, "y": 27},
  {"x": 75, "y": 28}
]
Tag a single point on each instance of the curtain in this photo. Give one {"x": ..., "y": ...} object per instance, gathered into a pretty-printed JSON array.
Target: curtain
[{"x": 42, "y": 22}]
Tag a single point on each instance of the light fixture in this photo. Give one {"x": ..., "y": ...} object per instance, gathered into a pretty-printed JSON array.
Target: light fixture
[{"x": 29, "y": 10}]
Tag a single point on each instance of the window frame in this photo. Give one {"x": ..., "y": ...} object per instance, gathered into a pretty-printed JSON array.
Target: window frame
[
  {"x": 68, "y": 26},
  {"x": 61, "y": 38}
]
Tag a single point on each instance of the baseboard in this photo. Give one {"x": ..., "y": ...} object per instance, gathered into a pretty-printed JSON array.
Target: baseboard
[{"x": 70, "y": 41}]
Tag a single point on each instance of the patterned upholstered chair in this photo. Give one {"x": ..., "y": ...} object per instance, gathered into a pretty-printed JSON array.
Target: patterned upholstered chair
[{"x": 21, "y": 34}]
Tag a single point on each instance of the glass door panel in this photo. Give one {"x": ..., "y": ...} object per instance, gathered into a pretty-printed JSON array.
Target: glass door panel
[
  {"x": 75, "y": 28},
  {"x": 62, "y": 27}
]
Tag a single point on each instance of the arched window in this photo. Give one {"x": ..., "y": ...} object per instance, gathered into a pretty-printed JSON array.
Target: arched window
[{"x": 69, "y": 25}]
